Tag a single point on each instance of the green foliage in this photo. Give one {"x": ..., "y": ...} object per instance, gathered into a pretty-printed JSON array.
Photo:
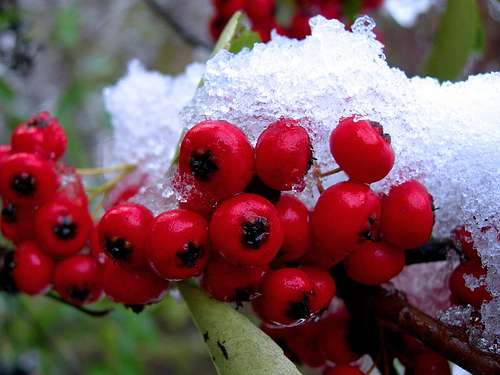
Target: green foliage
[
  {"x": 66, "y": 26},
  {"x": 460, "y": 33},
  {"x": 351, "y": 8},
  {"x": 236, "y": 345}
]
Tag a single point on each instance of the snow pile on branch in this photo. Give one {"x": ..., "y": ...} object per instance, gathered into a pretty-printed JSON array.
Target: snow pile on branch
[{"x": 447, "y": 136}]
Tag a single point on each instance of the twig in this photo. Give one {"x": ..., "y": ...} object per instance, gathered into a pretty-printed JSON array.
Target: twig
[
  {"x": 93, "y": 313},
  {"x": 101, "y": 170},
  {"x": 433, "y": 251},
  {"x": 188, "y": 37}
]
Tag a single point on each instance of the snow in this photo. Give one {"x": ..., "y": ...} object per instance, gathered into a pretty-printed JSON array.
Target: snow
[{"x": 446, "y": 135}]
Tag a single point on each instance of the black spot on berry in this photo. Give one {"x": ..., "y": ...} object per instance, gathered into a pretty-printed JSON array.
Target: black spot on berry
[
  {"x": 79, "y": 294},
  {"x": 118, "y": 248},
  {"x": 223, "y": 349},
  {"x": 38, "y": 122},
  {"x": 190, "y": 255},
  {"x": 202, "y": 165},
  {"x": 23, "y": 184},
  {"x": 136, "y": 308},
  {"x": 65, "y": 229},
  {"x": 255, "y": 233},
  {"x": 9, "y": 214},
  {"x": 299, "y": 310}
]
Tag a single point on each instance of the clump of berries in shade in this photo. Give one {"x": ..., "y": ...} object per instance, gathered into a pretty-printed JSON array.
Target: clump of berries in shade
[{"x": 239, "y": 226}]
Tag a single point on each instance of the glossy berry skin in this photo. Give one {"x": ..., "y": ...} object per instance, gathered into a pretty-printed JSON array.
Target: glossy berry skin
[
  {"x": 294, "y": 218},
  {"x": 27, "y": 180},
  {"x": 374, "y": 263},
  {"x": 246, "y": 230},
  {"x": 42, "y": 135},
  {"x": 334, "y": 344},
  {"x": 346, "y": 214},
  {"x": 17, "y": 222},
  {"x": 77, "y": 280},
  {"x": 33, "y": 269},
  {"x": 343, "y": 370},
  {"x": 178, "y": 244},
  {"x": 131, "y": 286},
  {"x": 407, "y": 215},
  {"x": 283, "y": 155},
  {"x": 430, "y": 363},
  {"x": 62, "y": 227},
  {"x": 4, "y": 152},
  {"x": 286, "y": 296},
  {"x": 462, "y": 239},
  {"x": 460, "y": 291},
  {"x": 229, "y": 283},
  {"x": 217, "y": 157},
  {"x": 124, "y": 232},
  {"x": 362, "y": 149},
  {"x": 324, "y": 288}
]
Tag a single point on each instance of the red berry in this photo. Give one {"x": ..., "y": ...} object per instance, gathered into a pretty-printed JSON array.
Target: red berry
[
  {"x": 195, "y": 199},
  {"x": 283, "y": 155},
  {"x": 286, "y": 296},
  {"x": 333, "y": 342},
  {"x": 430, "y": 363},
  {"x": 77, "y": 280},
  {"x": 331, "y": 10},
  {"x": 72, "y": 187},
  {"x": 259, "y": 10},
  {"x": 178, "y": 244},
  {"x": 345, "y": 215},
  {"x": 371, "y": 4},
  {"x": 32, "y": 272},
  {"x": 343, "y": 370},
  {"x": 256, "y": 186},
  {"x": 374, "y": 263},
  {"x": 324, "y": 288},
  {"x": 303, "y": 341},
  {"x": 407, "y": 215},
  {"x": 4, "y": 152},
  {"x": 246, "y": 230},
  {"x": 299, "y": 27},
  {"x": 228, "y": 7},
  {"x": 62, "y": 227},
  {"x": 294, "y": 218},
  {"x": 227, "y": 282},
  {"x": 130, "y": 286},
  {"x": 27, "y": 180},
  {"x": 462, "y": 239},
  {"x": 361, "y": 149},
  {"x": 124, "y": 232},
  {"x": 217, "y": 156},
  {"x": 462, "y": 292},
  {"x": 41, "y": 134},
  {"x": 17, "y": 222}
]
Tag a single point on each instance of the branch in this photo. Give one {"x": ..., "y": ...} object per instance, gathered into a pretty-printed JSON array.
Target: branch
[
  {"x": 187, "y": 36},
  {"x": 93, "y": 313},
  {"x": 433, "y": 251}
]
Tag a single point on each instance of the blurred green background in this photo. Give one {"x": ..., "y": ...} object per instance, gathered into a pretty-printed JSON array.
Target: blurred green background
[{"x": 58, "y": 55}]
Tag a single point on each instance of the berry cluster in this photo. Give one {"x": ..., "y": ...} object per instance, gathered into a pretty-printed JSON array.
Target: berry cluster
[{"x": 263, "y": 15}]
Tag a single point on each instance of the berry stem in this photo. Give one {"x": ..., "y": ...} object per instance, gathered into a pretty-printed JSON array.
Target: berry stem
[
  {"x": 329, "y": 173},
  {"x": 109, "y": 185},
  {"x": 317, "y": 178},
  {"x": 93, "y": 313},
  {"x": 102, "y": 170}
]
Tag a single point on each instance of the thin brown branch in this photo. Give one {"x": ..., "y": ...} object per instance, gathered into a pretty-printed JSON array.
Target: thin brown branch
[
  {"x": 187, "y": 36},
  {"x": 86, "y": 311}
]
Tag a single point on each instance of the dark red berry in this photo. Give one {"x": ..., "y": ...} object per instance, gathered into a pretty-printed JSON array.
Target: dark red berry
[
  {"x": 227, "y": 282},
  {"x": 430, "y": 363},
  {"x": 331, "y": 10},
  {"x": 41, "y": 134},
  {"x": 77, "y": 280},
  {"x": 27, "y": 180},
  {"x": 178, "y": 244},
  {"x": 346, "y": 214},
  {"x": 407, "y": 215},
  {"x": 32, "y": 272},
  {"x": 333, "y": 342},
  {"x": 216, "y": 25},
  {"x": 17, "y": 222},
  {"x": 62, "y": 227},
  {"x": 124, "y": 232},
  {"x": 324, "y": 288},
  {"x": 294, "y": 218},
  {"x": 4, "y": 152},
  {"x": 361, "y": 149},
  {"x": 131, "y": 286},
  {"x": 462, "y": 292},
  {"x": 217, "y": 158},
  {"x": 246, "y": 230},
  {"x": 303, "y": 340},
  {"x": 259, "y": 10},
  {"x": 286, "y": 296},
  {"x": 227, "y": 8},
  {"x": 343, "y": 370},
  {"x": 374, "y": 263},
  {"x": 283, "y": 155},
  {"x": 299, "y": 27},
  {"x": 256, "y": 186},
  {"x": 462, "y": 239}
]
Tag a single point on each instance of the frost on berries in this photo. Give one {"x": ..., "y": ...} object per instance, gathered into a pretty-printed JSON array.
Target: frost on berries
[{"x": 444, "y": 135}]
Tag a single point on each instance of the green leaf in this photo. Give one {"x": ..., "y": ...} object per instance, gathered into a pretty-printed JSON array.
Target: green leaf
[
  {"x": 6, "y": 92},
  {"x": 237, "y": 346},
  {"x": 459, "y": 34},
  {"x": 236, "y": 35},
  {"x": 351, "y": 8}
]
